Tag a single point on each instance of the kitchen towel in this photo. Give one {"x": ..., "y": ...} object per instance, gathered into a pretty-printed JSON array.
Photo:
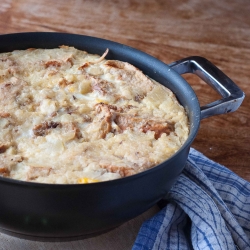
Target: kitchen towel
[{"x": 207, "y": 208}]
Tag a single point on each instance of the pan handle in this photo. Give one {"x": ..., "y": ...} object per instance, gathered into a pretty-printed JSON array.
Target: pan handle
[{"x": 231, "y": 93}]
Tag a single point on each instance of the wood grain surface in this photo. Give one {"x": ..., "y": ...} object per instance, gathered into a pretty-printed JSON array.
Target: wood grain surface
[{"x": 168, "y": 30}]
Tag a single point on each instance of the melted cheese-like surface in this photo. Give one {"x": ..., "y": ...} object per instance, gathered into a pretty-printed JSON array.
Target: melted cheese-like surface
[{"x": 68, "y": 116}]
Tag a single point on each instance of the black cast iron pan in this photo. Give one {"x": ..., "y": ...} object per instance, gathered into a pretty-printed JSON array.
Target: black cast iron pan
[{"x": 59, "y": 211}]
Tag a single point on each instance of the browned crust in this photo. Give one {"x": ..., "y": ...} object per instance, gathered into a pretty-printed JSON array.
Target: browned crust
[
  {"x": 123, "y": 171},
  {"x": 7, "y": 162},
  {"x": 109, "y": 113},
  {"x": 3, "y": 148},
  {"x": 43, "y": 128},
  {"x": 63, "y": 83},
  {"x": 158, "y": 127},
  {"x": 53, "y": 63},
  {"x": 4, "y": 171},
  {"x": 85, "y": 65},
  {"x": 35, "y": 172},
  {"x": 101, "y": 86},
  {"x": 105, "y": 119},
  {"x": 137, "y": 123},
  {"x": 4, "y": 115}
]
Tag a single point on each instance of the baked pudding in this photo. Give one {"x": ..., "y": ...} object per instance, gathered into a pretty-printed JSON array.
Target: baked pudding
[{"x": 67, "y": 116}]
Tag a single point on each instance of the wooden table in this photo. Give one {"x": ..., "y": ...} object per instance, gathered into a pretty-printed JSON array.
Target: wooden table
[{"x": 168, "y": 30}]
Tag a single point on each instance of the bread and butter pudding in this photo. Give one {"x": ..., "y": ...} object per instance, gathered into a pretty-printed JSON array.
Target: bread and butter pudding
[{"x": 67, "y": 116}]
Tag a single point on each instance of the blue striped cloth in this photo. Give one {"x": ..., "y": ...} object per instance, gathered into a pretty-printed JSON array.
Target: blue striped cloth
[{"x": 207, "y": 208}]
